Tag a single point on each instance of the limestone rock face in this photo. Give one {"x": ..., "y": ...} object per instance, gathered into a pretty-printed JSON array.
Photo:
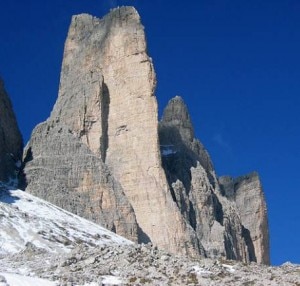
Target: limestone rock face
[
  {"x": 103, "y": 154},
  {"x": 229, "y": 217},
  {"x": 63, "y": 170},
  {"x": 72, "y": 143},
  {"x": 106, "y": 109},
  {"x": 176, "y": 130},
  {"x": 247, "y": 193},
  {"x": 11, "y": 142}
]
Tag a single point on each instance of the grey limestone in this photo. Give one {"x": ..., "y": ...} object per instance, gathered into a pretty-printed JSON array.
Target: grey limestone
[{"x": 103, "y": 154}]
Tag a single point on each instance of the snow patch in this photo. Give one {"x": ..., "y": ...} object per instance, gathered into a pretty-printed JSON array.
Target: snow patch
[
  {"x": 167, "y": 150},
  {"x": 20, "y": 280},
  {"x": 111, "y": 280},
  {"x": 25, "y": 218},
  {"x": 201, "y": 271},
  {"x": 229, "y": 268}
]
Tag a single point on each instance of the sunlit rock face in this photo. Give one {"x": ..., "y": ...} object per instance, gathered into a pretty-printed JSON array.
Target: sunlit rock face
[
  {"x": 64, "y": 159},
  {"x": 246, "y": 191},
  {"x": 103, "y": 154},
  {"x": 105, "y": 123},
  {"x": 62, "y": 170},
  {"x": 11, "y": 143}
]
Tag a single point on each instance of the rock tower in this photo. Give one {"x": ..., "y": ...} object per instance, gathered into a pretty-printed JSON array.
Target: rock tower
[{"x": 103, "y": 154}]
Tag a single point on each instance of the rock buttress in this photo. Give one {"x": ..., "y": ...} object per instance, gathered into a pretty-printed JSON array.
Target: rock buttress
[
  {"x": 11, "y": 143},
  {"x": 64, "y": 171},
  {"x": 106, "y": 101},
  {"x": 105, "y": 123},
  {"x": 229, "y": 220},
  {"x": 246, "y": 191}
]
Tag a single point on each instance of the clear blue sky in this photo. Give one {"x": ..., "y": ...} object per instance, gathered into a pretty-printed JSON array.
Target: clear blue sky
[{"x": 235, "y": 62}]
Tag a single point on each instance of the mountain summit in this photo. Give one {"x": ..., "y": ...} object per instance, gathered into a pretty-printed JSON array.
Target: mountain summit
[{"x": 102, "y": 154}]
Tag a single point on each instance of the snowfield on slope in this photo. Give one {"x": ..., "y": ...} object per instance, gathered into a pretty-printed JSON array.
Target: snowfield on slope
[
  {"x": 41, "y": 244},
  {"x": 13, "y": 279},
  {"x": 25, "y": 218},
  {"x": 20, "y": 280}
]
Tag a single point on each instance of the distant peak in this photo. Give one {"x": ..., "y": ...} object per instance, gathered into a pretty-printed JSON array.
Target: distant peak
[
  {"x": 176, "y": 114},
  {"x": 177, "y": 110}
]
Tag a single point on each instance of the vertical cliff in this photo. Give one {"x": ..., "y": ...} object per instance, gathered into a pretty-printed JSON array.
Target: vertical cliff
[
  {"x": 246, "y": 191},
  {"x": 61, "y": 169},
  {"x": 106, "y": 104},
  {"x": 103, "y": 154},
  {"x": 64, "y": 159},
  {"x": 228, "y": 216},
  {"x": 11, "y": 143}
]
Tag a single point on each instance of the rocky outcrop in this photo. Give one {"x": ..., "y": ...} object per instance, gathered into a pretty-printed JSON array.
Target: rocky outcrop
[
  {"x": 176, "y": 131},
  {"x": 139, "y": 265},
  {"x": 103, "y": 155},
  {"x": 234, "y": 211},
  {"x": 193, "y": 184},
  {"x": 64, "y": 159},
  {"x": 106, "y": 109},
  {"x": 63, "y": 170},
  {"x": 11, "y": 142},
  {"x": 65, "y": 249},
  {"x": 247, "y": 193}
]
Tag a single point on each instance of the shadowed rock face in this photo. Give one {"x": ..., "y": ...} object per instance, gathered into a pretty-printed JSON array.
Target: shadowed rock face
[
  {"x": 11, "y": 143},
  {"x": 228, "y": 216},
  {"x": 102, "y": 153}
]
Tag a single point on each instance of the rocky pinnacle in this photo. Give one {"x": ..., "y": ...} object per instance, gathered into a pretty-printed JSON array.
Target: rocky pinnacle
[{"x": 109, "y": 159}]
